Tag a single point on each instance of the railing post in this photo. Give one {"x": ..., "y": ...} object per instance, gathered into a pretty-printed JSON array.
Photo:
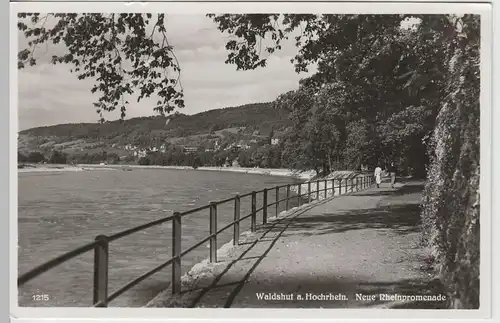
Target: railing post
[
  {"x": 346, "y": 185},
  {"x": 333, "y": 187},
  {"x": 287, "y": 196},
  {"x": 309, "y": 192},
  {"x": 299, "y": 191},
  {"x": 277, "y": 200},
  {"x": 317, "y": 189},
  {"x": 326, "y": 190},
  {"x": 176, "y": 253},
  {"x": 264, "y": 207},
  {"x": 253, "y": 218},
  {"x": 236, "y": 233},
  {"x": 101, "y": 257},
  {"x": 340, "y": 186},
  {"x": 213, "y": 232}
]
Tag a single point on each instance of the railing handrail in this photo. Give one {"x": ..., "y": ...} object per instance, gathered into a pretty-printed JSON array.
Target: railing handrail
[
  {"x": 54, "y": 262},
  {"x": 100, "y": 245}
]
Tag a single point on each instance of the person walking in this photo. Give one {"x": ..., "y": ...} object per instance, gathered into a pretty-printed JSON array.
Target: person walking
[
  {"x": 378, "y": 175},
  {"x": 392, "y": 172}
]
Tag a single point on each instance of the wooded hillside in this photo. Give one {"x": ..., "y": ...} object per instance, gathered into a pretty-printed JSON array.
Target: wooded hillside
[{"x": 259, "y": 118}]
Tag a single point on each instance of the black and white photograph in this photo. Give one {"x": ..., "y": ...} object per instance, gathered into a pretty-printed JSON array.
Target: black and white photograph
[{"x": 250, "y": 159}]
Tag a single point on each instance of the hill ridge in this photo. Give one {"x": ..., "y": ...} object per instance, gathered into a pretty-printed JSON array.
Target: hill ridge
[
  {"x": 233, "y": 123},
  {"x": 176, "y": 113}
]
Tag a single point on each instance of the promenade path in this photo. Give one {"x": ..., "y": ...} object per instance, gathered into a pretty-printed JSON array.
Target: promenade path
[{"x": 365, "y": 243}]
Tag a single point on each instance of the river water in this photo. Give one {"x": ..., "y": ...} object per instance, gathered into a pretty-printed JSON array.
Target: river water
[{"x": 59, "y": 211}]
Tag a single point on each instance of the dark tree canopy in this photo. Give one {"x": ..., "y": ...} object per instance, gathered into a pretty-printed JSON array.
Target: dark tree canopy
[{"x": 379, "y": 85}]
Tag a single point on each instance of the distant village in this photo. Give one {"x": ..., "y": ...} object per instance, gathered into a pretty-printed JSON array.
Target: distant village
[
  {"x": 139, "y": 152},
  {"x": 219, "y": 147}
]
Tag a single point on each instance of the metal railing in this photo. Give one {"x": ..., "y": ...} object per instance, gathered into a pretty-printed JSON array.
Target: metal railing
[{"x": 101, "y": 297}]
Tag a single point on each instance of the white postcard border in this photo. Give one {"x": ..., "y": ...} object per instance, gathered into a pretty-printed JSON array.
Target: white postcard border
[{"x": 288, "y": 314}]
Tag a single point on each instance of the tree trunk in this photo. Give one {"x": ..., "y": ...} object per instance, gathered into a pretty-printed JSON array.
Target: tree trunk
[{"x": 330, "y": 166}]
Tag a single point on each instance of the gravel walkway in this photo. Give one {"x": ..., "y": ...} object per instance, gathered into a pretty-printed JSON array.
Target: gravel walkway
[{"x": 339, "y": 253}]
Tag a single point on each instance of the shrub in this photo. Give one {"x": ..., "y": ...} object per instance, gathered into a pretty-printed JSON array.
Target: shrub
[
  {"x": 35, "y": 157},
  {"x": 451, "y": 202}
]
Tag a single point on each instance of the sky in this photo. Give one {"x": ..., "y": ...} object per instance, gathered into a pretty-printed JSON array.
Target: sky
[{"x": 49, "y": 94}]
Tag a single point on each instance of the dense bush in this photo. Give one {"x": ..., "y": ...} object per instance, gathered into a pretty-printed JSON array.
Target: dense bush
[
  {"x": 265, "y": 156},
  {"x": 144, "y": 161},
  {"x": 58, "y": 157},
  {"x": 35, "y": 157},
  {"x": 451, "y": 198},
  {"x": 21, "y": 158}
]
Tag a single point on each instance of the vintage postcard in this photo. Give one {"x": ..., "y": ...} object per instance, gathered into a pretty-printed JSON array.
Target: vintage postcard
[{"x": 251, "y": 160}]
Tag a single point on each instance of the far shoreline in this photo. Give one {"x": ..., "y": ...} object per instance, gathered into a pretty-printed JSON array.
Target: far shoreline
[{"x": 280, "y": 172}]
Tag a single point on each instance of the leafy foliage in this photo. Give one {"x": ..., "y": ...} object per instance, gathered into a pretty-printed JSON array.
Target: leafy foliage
[
  {"x": 371, "y": 100},
  {"x": 124, "y": 53},
  {"x": 21, "y": 158},
  {"x": 451, "y": 200},
  {"x": 34, "y": 157},
  {"x": 58, "y": 157}
]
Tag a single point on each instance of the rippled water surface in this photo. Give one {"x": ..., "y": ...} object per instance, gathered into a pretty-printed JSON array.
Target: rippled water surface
[{"x": 61, "y": 211}]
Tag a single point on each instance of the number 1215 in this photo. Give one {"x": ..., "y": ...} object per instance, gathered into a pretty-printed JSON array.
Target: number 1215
[{"x": 40, "y": 297}]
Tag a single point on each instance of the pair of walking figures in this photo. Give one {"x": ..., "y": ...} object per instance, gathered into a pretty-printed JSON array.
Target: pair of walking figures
[{"x": 378, "y": 174}]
